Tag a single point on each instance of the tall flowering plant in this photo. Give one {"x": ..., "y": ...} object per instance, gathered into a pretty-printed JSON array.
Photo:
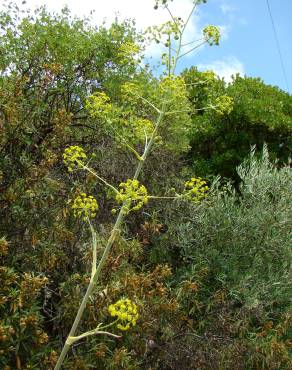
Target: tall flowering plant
[{"x": 165, "y": 108}]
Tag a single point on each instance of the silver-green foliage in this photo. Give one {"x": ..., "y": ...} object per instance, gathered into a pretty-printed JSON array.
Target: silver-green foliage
[{"x": 245, "y": 237}]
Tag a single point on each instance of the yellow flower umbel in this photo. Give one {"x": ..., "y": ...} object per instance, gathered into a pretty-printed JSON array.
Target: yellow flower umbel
[
  {"x": 127, "y": 52},
  {"x": 126, "y": 312},
  {"x": 85, "y": 206},
  {"x": 212, "y": 35},
  {"x": 142, "y": 127},
  {"x": 131, "y": 190},
  {"x": 195, "y": 189},
  {"x": 99, "y": 105},
  {"x": 73, "y": 157},
  {"x": 224, "y": 105}
]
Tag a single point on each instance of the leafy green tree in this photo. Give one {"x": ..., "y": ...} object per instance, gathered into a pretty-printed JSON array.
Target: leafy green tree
[
  {"x": 166, "y": 110},
  {"x": 49, "y": 65},
  {"x": 219, "y": 142}
]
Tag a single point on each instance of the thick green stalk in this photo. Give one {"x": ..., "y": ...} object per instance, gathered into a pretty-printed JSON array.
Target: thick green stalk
[
  {"x": 120, "y": 218},
  {"x": 91, "y": 285},
  {"x": 115, "y": 231}
]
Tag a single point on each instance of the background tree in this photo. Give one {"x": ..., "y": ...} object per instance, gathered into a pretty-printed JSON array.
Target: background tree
[
  {"x": 189, "y": 265},
  {"x": 220, "y": 142}
]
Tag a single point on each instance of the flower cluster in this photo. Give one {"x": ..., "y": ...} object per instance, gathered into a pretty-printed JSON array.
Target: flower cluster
[
  {"x": 209, "y": 76},
  {"x": 224, "y": 105},
  {"x": 160, "y": 2},
  {"x": 168, "y": 30},
  {"x": 73, "y": 157},
  {"x": 142, "y": 127},
  {"x": 212, "y": 35},
  {"x": 85, "y": 206},
  {"x": 99, "y": 105},
  {"x": 126, "y": 312},
  {"x": 173, "y": 89},
  {"x": 129, "y": 88},
  {"x": 132, "y": 191},
  {"x": 195, "y": 189},
  {"x": 127, "y": 51}
]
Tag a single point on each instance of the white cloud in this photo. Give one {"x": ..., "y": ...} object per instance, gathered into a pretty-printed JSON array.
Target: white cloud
[
  {"x": 141, "y": 10},
  {"x": 224, "y": 31},
  {"x": 226, "y": 8},
  {"x": 224, "y": 68}
]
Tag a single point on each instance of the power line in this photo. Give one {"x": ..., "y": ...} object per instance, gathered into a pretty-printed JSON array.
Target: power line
[{"x": 278, "y": 47}]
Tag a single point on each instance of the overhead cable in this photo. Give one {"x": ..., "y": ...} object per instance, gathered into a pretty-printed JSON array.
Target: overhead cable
[{"x": 278, "y": 47}]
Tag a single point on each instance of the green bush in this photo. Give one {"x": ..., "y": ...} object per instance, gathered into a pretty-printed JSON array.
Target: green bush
[
  {"x": 245, "y": 237},
  {"x": 233, "y": 274},
  {"x": 261, "y": 114}
]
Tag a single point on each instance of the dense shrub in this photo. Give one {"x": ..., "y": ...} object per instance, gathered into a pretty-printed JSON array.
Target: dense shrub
[
  {"x": 227, "y": 257},
  {"x": 261, "y": 114},
  {"x": 49, "y": 64},
  {"x": 241, "y": 243}
]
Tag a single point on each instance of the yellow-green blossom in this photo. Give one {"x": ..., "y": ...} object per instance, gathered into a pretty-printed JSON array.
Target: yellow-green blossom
[
  {"x": 212, "y": 35},
  {"x": 142, "y": 127},
  {"x": 126, "y": 312},
  {"x": 224, "y": 105},
  {"x": 127, "y": 51},
  {"x": 167, "y": 30},
  {"x": 132, "y": 191},
  {"x": 173, "y": 90},
  {"x": 73, "y": 157},
  {"x": 195, "y": 189},
  {"x": 130, "y": 88},
  {"x": 209, "y": 76},
  {"x": 85, "y": 206},
  {"x": 99, "y": 105}
]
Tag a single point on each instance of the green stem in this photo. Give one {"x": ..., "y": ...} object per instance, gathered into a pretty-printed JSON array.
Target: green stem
[
  {"x": 192, "y": 49},
  {"x": 91, "y": 285},
  {"x": 115, "y": 231},
  {"x": 72, "y": 340},
  {"x": 148, "y": 102},
  {"x": 119, "y": 220},
  {"x": 180, "y": 39},
  {"x": 94, "y": 247},
  {"x": 169, "y": 56},
  {"x": 99, "y": 178},
  {"x": 137, "y": 155},
  {"x": 98, "y": 330},
  {"x": 157, "y": 197}
]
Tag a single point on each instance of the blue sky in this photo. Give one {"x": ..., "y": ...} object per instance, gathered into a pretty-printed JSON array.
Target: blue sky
[
  {"x": 248, "y": 45},
  {"x": 250, "y": 39}
]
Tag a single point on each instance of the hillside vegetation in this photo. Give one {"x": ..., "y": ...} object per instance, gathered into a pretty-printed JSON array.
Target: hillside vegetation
[{"x": 209, "y": 269}]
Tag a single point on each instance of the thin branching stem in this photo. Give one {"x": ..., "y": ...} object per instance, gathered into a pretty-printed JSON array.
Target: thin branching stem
[
  {"x": 148, "y": 102},
  {"x": 100, "y": 178},
  {"x": 192, "y": 49},
  {"x": 118, "y": 223},
  {"x": 137, "y": 155},
  {"x": 94, "y": 248},
  {"x": 169, "y": 56},
  {"x": 112, "y": 238},
  {"x": 188, "y": 110},
  {"x": 192, "y": 42},
  {"x": 172, "y": 16},
  {"x": 162, "y": 197},
  {"x": 177, "y": 57}
]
